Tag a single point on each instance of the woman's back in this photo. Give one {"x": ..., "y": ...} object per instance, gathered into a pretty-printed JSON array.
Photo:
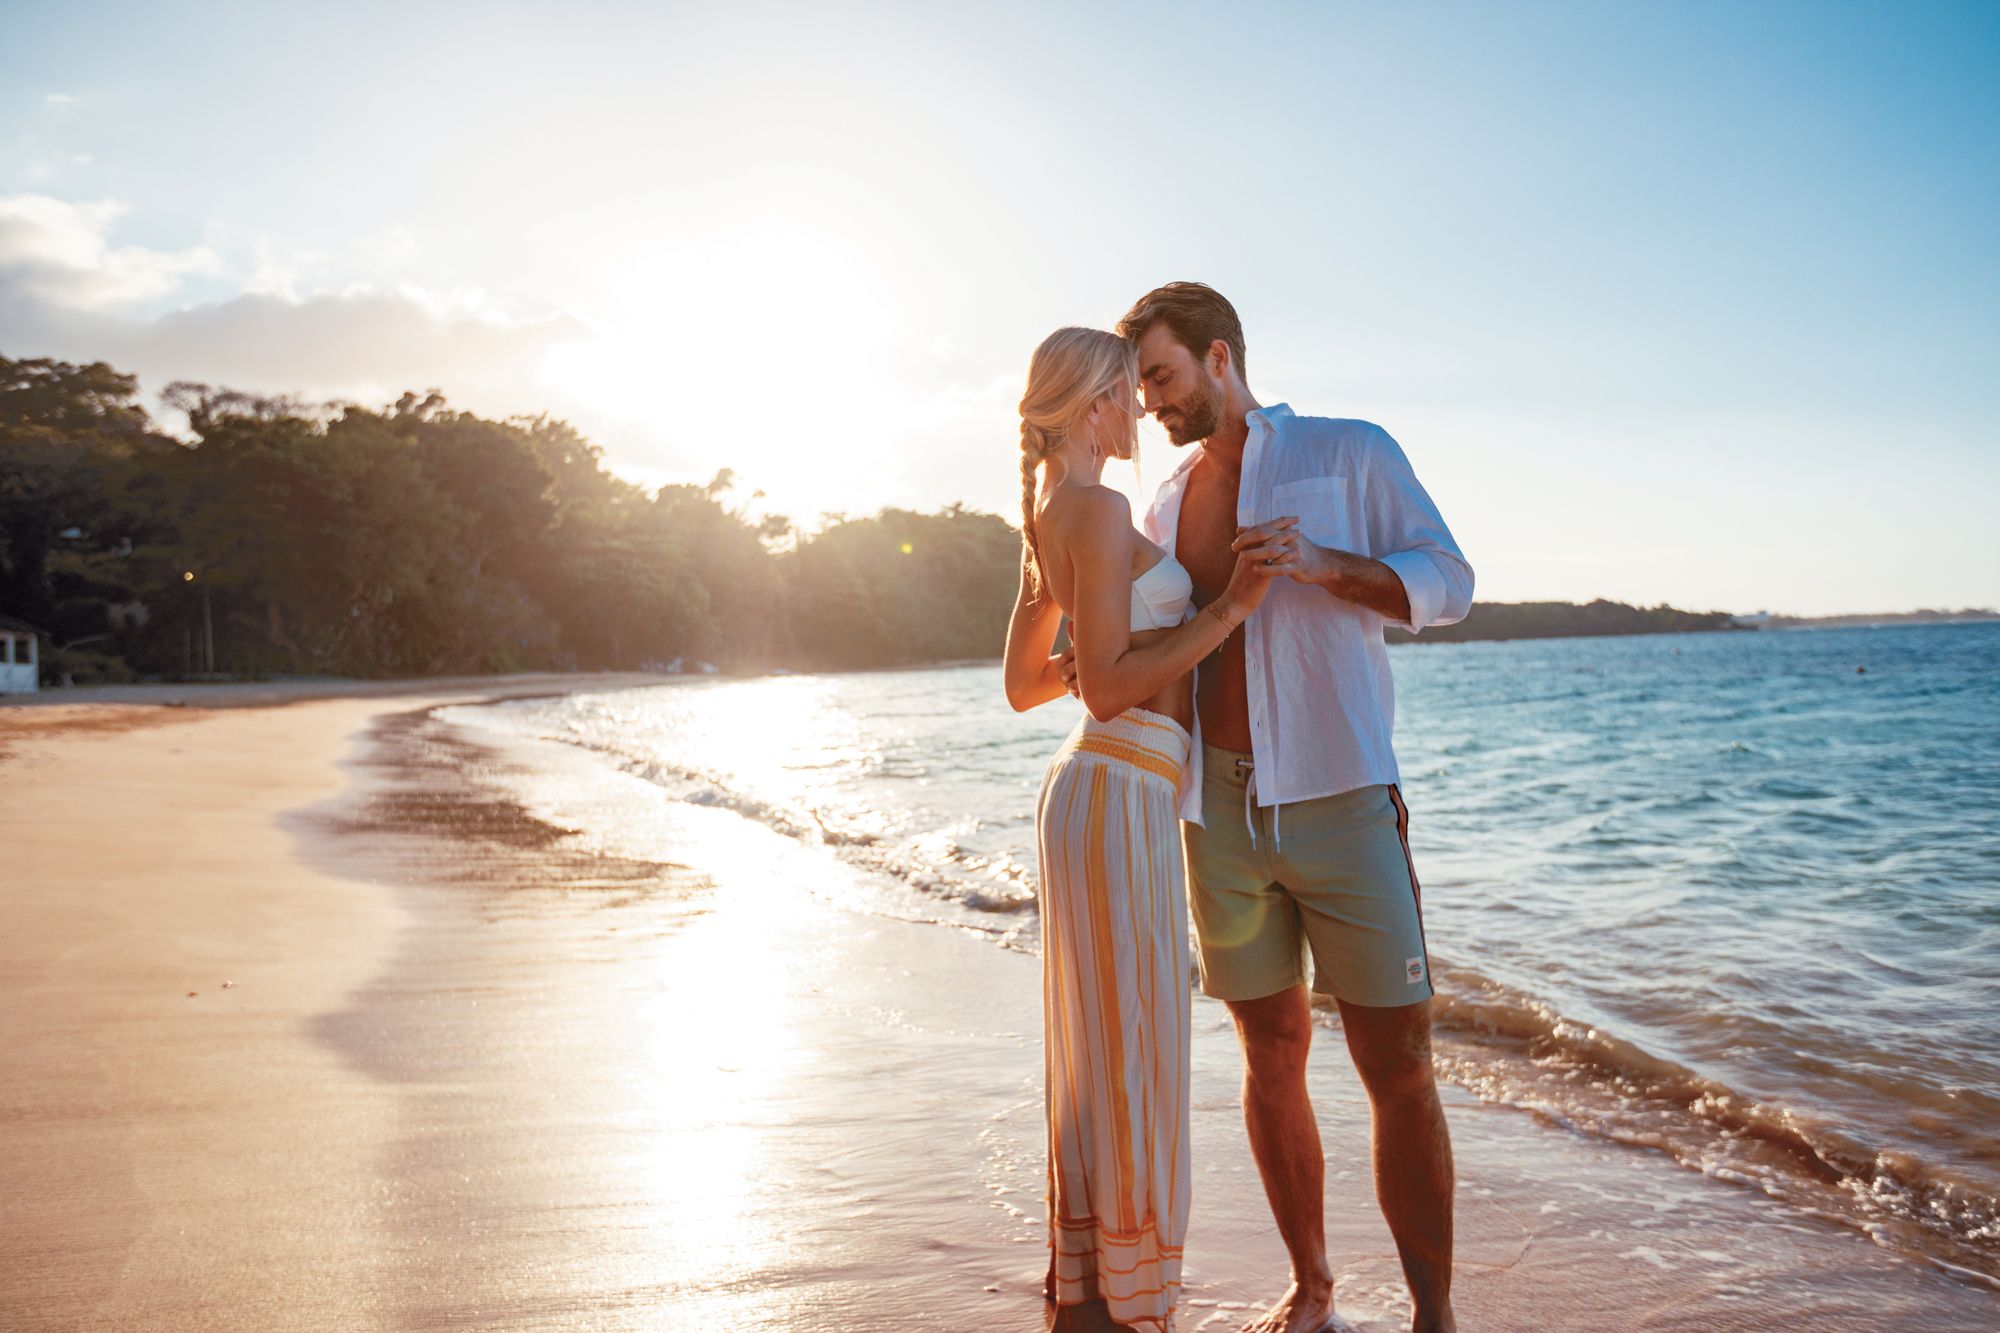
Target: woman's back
[{"x": 1069, "y": 514}]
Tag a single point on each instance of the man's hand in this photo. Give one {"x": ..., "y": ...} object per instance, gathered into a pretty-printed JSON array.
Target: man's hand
[
  {"x": 1280, "y": 539},
  {"x": 1066, "y": 667},
  {"x": 1350, "y": 577},
  {"x": 1316, "y": 565},
  {"x": 1325, "y": 567}
]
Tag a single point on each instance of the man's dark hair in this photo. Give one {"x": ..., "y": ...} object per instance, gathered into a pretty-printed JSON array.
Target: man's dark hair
[{"x": 1195, "y": 313}]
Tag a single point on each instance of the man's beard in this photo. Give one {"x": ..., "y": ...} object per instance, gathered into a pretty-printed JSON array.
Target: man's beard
[{"x": 1199, "y": 419}]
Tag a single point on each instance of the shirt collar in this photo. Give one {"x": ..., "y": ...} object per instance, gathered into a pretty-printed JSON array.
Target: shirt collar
[
  {"x": 1181, "y": 468},
  {"x": 1273, "y": 417}
]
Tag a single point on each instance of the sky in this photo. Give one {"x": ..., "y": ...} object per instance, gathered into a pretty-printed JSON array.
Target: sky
[{"x": 1694, "y": 303}]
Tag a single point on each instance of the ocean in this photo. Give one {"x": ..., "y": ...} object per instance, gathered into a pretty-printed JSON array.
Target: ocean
[{"x": 1733, "y": 898}]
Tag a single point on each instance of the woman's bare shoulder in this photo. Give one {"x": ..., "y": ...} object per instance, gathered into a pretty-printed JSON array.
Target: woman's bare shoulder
[{"x": 1087, "y": 515}]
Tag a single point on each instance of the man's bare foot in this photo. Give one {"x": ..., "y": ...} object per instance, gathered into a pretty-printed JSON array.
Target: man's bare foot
[{"x": 1299, "y": 1310}]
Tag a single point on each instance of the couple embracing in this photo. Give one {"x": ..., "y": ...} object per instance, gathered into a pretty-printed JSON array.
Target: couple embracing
[{"x": 1235, "y": 761}]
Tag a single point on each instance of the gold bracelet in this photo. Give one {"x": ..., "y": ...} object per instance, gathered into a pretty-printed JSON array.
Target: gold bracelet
[{"x": 1214, "y": 608}]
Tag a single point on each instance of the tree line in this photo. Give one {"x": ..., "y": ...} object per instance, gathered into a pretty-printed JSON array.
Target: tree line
[{"x": 278, "y": 537}]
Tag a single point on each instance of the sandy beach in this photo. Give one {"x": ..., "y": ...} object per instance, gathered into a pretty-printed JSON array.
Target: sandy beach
[{"x": 310, "y": 1024}]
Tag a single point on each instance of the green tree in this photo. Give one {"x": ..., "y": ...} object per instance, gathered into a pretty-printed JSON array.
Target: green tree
[
  {"x": 75, "y": 450},
  {"x": 281, "y": 535},
  {"x": 726, "y": 555}
]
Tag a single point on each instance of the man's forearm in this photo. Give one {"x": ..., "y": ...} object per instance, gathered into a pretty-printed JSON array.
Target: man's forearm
[{"x": 1366, "y": 582}]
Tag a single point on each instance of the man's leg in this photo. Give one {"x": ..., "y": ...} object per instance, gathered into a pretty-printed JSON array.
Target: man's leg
[
  {"x": 1284, "y": 1138},
  {"x": 1413, "y": 1170}
]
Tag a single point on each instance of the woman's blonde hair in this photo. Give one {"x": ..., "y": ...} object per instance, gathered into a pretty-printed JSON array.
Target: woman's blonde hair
[{"x": 1068, "y": 373}]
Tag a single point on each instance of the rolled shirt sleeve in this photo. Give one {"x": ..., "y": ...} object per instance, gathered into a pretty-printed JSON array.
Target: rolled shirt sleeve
[{"x": 1406, "y": 533}]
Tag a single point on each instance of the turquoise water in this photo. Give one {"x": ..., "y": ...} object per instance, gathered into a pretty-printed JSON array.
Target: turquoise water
[{"x": 1732, "y": 897}]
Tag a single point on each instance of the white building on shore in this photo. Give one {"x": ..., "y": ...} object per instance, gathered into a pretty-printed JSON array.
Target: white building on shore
[{"x": 20, "y": 660}]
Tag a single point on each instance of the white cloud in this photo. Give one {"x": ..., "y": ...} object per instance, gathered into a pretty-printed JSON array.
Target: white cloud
[
  {"x": 60, "y": 101},
  {"x": 365, "y": 347},
  {"x": 272, "y": 274},
  {"x": 66, "y": 291},
  {"x": 674, "y": 387},
  {"x": 57, "y": 252},
  {"x": 386, "y": 248},
  {"x": 368, "y": 346}
]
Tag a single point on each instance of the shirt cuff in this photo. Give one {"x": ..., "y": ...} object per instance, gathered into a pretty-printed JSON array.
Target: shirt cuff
[{"x": 1423, "y": 585}]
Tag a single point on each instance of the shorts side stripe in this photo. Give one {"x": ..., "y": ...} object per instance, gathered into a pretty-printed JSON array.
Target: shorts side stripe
[{"x": 1416, "y": 889}]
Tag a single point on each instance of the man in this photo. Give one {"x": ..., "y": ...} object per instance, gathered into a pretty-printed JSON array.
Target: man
[{"x": 1296, "y": 835}]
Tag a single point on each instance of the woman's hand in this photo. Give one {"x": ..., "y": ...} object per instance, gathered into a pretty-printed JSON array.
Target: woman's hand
[
  {"x": 1027, "y": 669},
  {"x": 1263, "y": 553}
]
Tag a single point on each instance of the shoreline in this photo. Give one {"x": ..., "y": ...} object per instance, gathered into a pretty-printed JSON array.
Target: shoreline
[
  {"x": 281, "y": 692},
  {"x": 1502, "y": 1137},
  {"x": 483, "y": 1066}
]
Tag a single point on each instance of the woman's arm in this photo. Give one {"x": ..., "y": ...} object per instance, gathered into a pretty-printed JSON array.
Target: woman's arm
[
  {"x": 1112, "y": 675},
  {"x": 1032, "y": 676}
]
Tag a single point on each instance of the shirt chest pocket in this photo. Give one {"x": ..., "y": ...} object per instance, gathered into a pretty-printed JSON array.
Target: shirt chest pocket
[{"x": 1322, "y": 504}]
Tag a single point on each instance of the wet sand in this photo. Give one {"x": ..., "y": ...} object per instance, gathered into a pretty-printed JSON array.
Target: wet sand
[{"x": 474, "y": 1072}]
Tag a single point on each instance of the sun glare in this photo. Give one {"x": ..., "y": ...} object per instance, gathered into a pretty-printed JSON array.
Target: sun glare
[{"x": 751, "y": 348}]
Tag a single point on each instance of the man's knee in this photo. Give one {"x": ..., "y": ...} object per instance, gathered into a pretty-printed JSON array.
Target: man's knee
[
  {"x": 1391, "y": 1049},
  {"x": 1276, "y": 1032}
]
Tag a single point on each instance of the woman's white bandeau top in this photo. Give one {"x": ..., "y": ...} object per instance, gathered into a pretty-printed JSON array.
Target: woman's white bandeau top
[{"x": 1161, "y": 596}]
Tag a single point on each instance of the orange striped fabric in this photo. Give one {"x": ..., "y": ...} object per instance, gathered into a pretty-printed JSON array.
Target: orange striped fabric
[{"x": 1115, "y": 993}]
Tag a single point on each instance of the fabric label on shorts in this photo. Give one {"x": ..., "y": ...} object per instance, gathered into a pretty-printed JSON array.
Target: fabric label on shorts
[{"x": 1414, "y": 969}]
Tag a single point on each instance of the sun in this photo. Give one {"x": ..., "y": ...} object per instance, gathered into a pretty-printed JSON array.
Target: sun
[{"x": 753, "y": 347}]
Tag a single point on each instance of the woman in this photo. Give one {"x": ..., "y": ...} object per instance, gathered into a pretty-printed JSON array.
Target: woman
[{"x": 1115, "y": 968}]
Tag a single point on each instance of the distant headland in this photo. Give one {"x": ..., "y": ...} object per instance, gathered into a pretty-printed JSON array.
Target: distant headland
[
  {"x": 1568, "y": 620},
  {"x": 1764, "y": 620},
  {"x": 1565, "y": 620}
]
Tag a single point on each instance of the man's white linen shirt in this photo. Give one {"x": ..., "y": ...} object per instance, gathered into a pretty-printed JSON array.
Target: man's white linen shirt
[{"x": 1322, "y": 701}]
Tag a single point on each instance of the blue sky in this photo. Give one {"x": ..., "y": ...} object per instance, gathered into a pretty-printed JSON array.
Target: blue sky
[{"x": 1692, "y": 302}]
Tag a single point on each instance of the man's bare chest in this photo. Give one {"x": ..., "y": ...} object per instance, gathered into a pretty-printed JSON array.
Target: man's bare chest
[{"x": 1207, "y": 527}]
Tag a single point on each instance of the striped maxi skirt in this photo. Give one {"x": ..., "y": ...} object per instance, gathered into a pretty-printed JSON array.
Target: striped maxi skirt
[{"x": 1115, "y": 997}]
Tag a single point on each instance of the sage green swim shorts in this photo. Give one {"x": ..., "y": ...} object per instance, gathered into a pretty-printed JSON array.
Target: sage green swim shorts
[{"x": 1332, "y": 876}]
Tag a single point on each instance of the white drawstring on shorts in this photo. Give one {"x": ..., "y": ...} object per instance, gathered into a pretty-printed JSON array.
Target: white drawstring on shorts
[{"x": 1249, "y": 766}]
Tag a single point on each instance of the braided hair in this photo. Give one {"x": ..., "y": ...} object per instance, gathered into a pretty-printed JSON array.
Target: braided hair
[{"x": 1069, "y": 372}]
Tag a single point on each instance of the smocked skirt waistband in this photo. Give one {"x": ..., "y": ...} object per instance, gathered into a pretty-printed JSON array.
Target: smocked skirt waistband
[{"x": 1153, "y": 743}]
